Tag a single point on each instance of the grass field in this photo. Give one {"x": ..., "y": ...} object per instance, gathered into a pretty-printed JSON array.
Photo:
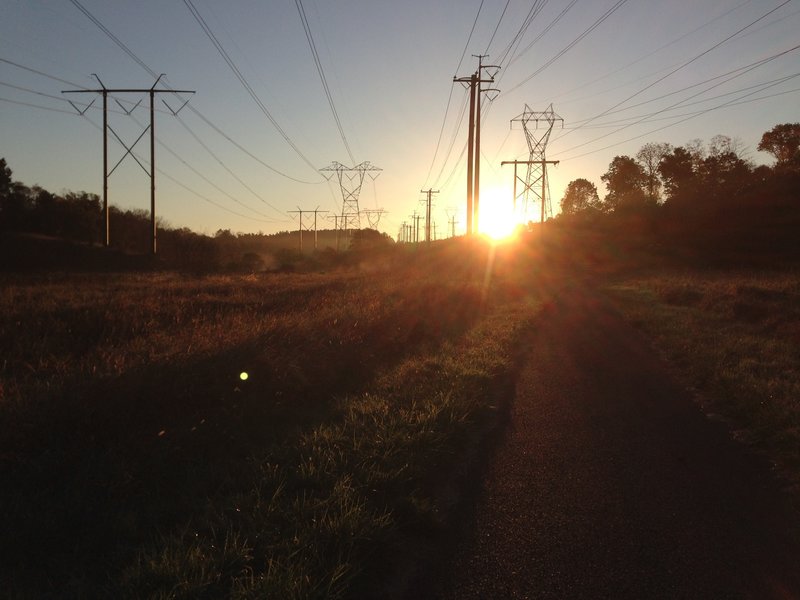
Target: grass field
[
  {"x": 138, "y": 459},
  {"x": 303, "y": 435},
  {"x": 735, "y": 338}
]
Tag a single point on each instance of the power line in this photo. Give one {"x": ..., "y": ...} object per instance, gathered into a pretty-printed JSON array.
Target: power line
[
  {"x": 248, "y": 88},
  {"x": 683, "y": 65},
  {"x": 534, "y": 11},
  {"x": 649, "y": 54},
  {"x": 734, "y": 102},
  {"x": 114, "y": 38},
  {"x": 552, "y": 24},
  {"x": 738, "y": 72},
  {"x": 83, "y": 88},
  {"x": 459, "y": 123},
  {"x": 572, "y": 44},
  {"x": 449, "y": 100},
  {"x": 651, "y": 117},
  {"x": 153, "y": 74},
  {"x": 185, "y": 187},
  {"x": 31, "y": 105},
  {"x": 53, "y": 77},
  {"x": 499, "y": 21},
  {"x": 320, "y": 70},
  {"x": 216, "y": 128},
  {"x": 206, "y": 179},
  {"x": 224, "y": 166}
]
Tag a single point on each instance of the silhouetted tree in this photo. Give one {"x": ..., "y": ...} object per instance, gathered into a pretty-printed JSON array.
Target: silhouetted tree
[
  {"x": 5, "y": 178},
  {"x": 783, "y": 142},
  {"x": 580, "y": 195},
  {"x": 649, "y": 157},
  {"x": 723, "y": 175},
  {"x": 625, "y": 180},
  {"x": 677, "y": 172},
  {"x": 14, "y": 200}
]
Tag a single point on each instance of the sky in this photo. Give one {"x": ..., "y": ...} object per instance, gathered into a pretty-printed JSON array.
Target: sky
[{"x": 254, "y": 139}]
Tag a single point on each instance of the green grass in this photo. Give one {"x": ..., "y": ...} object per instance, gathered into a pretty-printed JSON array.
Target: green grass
[
  {"x": 736, "y": 337},
  {"x": 136, "y": 462}
]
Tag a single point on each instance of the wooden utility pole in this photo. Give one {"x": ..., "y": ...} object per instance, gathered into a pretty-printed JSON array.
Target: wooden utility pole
[
  {"x": 316, "y": 210},
  {"x": 474, "y": 139},
  {"x": 453, "y": 226},
  {"x": 429, "y": 193},
  {"x": 300, "y": 211},
  {"x": 416, "y": 218},
  {"x": 336, "y": 228},
  {"x": 151, "y": 91}
]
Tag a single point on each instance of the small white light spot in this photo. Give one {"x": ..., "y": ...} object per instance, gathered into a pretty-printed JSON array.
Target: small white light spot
[{"x": 243, "y": 375}]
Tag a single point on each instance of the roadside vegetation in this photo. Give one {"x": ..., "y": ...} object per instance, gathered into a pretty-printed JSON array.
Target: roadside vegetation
[
  {"x": 735, "y": 338},
  {"x": 138, "y": 459}
]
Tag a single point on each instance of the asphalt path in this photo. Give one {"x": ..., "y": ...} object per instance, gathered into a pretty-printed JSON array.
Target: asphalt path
[{"x": 611, "y": 482}]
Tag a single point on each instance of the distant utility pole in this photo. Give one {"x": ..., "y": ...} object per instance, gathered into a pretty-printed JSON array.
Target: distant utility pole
[
  {"x": 152, "y": 127},
  {"x": 416, "y": 218},
  {"x": 474, "y": 138},
  {"x": 535, "y": 185},
  {"x": 300, "y": 211},
  {"x": 429, "y": 193},
  {"x": 336, "y": 228},
  {"x": 453, "y": 226},
  {"x": 451, "y": 211},
  {"x": 316, "y": 210}
]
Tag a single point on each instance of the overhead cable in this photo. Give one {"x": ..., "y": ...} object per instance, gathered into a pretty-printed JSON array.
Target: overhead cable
[
  {"x": 248, "y": 88},
  {"x": 321, "y": 71}
]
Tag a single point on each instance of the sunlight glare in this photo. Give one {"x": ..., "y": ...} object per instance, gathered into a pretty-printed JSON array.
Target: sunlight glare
[{"x": 496, "y": 218}]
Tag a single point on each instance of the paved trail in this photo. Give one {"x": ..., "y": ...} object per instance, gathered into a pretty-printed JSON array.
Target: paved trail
[{"x": 611, "y": 483}]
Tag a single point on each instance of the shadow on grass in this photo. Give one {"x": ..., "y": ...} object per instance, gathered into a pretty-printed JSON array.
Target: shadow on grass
[{"x": 94, "y": 471}]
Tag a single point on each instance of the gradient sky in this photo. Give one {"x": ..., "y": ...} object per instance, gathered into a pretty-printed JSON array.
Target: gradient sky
[{"x": 651, "y": 71}]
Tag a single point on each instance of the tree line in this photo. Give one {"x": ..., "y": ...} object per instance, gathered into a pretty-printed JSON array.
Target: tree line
[
  {"x": 78, "y": 217},
  {"x": 699, "y": 197}
]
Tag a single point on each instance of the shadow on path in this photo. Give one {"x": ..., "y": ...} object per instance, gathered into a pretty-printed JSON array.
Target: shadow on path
[{"x": 611, "y": 483}]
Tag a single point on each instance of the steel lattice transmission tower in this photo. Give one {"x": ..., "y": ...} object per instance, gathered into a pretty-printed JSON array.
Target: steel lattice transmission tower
[
  {"x": 537, "y": 126},
  {"x": 351, "y": 179}
]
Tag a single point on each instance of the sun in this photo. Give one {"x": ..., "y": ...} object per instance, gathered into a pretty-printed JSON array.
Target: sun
[{"x": 496, "y": 218}]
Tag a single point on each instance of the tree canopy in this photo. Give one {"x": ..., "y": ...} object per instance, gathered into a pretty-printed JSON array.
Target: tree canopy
[
  {"x": 625, "y": 181},
  {"x": 783, "y": 142},
  {"x": 580, "y": 195}
]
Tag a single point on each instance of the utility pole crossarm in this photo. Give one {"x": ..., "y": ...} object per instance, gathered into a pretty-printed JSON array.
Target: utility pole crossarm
[
  {"x": 151, "y": 91},
  {"x": 474, "y": 138}
]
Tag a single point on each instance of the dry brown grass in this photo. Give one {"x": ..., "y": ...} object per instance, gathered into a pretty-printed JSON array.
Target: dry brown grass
[{"x": 136, "y": 462}]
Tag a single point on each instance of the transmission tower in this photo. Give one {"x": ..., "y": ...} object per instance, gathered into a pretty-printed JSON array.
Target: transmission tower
[
  {"x": 373, "y": 216},
  {"x": 351, "y": 179},
  {"x": 535, "y": 185}
]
